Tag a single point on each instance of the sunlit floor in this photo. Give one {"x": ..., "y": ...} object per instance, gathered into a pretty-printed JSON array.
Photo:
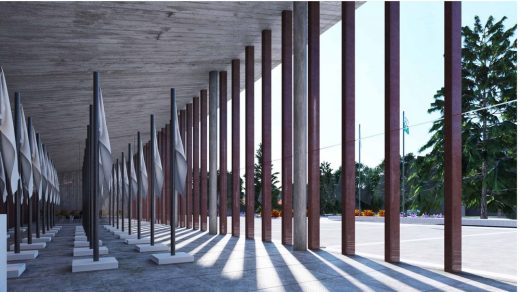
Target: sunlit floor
[{"x": 225, "y": 263}]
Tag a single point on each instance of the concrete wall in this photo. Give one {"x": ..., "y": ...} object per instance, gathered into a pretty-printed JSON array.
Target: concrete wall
[{"x": 71, "y": 188}]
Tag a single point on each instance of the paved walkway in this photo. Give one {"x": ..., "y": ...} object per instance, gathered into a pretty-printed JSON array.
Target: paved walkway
[{"x": 225, "y": 263}]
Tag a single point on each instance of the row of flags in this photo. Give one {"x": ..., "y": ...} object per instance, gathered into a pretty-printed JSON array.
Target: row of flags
[
  {"x": 38, "y": 173},
  {"x": 123, "y": 178}
]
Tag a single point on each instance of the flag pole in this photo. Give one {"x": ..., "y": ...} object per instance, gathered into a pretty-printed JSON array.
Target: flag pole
[
  {"x": 95, "y": 162},
  {"x": 38, "y": 193},
  {"x": 403, "y": 177},
  {"x": 152, "y": 175},
  {"x": 129, "y": 189},
  {"x": 29, "y": 197},
  {"x": 360, "y": 172},
  {"x": 118, "y": 189},
  {"x": 17, "y": 202},
  {"x": 90, "y": 190},
  {"x": 139, "y": 184},
  {"x": 173, "y": 162},
  {"x": 122, "y": 192}
]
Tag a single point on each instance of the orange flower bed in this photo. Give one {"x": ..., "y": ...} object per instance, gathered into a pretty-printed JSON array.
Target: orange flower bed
[
  {"x": 367, "y": 213},
  {"x": 381, "y": 213},
  {"x": 357, "y": 212},
  {"x": 276, "y": 213}
]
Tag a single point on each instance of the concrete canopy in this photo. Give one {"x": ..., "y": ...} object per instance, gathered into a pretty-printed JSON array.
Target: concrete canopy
[{"x": 49, "y": 50}]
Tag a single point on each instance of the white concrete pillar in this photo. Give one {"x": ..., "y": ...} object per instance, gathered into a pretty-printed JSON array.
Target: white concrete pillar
[
  {"x": 300, "y": 125},
  {"x": 213, "y": 103}
]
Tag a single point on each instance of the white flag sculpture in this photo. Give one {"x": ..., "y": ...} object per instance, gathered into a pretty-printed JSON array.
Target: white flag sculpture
[
  {"x": 159, "y": 174},
  {"x": 133, "y": 178},
  {"x": 125, "y": 177},
  {"x": 181, "y": 167},
  {"x": 43, "y": 171},
  {"x": 35, "y": 157},
  {"x": 8, "y": 140},
  {"x": 3, "y": 186},
  {"x": 26, "y": 157},
  {"x": 105, "y": 152},
  {"x": 144, "y": 174}
]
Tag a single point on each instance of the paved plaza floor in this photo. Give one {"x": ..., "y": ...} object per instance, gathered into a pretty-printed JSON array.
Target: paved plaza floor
[{"x": 226, "y": 263}]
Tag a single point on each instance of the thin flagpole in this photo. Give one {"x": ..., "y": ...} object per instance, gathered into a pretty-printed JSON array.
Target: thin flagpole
[
  {"x": 173, "y": 123},
  {"x": 359, "y": 169},
  {"x": 403, "y": 178}
]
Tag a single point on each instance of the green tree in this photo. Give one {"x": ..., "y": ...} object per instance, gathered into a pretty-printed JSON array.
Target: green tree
[
  {"x": 328, "y": 184},
  {"x": 489, "y": 123},
  {"x": 275, "y": 188}
]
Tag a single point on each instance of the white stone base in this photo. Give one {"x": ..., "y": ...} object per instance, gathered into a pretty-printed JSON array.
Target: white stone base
[
  {"x": 8, "y": 236},
  {"x": 26, "y": 246},
  {"x": 167, "y": 258},
  {"x": 85, "y": 251},
  {"x": 45, "y": 235},
  {"x": 86, "y": 265},
  {"x": 15, "y": 270},
  {"x": 80, "y": 238},
  {"x": 151, "y": 248},
  {"x": 84, "y": 243},
  {"x": 127, "y": 236},
  {"x": 41, "y": 239},
  {"x": 24, "y": 255},
  {"x": 137, "y": 241},
  {"x": 80, "y": 234}
]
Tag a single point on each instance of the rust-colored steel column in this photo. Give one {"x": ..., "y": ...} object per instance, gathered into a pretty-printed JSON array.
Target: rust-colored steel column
[
  {"x": 392, "y": 131},
  {"x": 196, "y": 171},
  {"x": 182, "y": 197},
  {"x": 266, "y": 136},
  {"x": 250, "y": 141},
  {"x": 287, "y": 146},
  {"x": 452, "y": 137},
  {"x": 189, "y": 158},
  {"x": 314, "y": 126},
  {"x": 348, "y": 129},
  {"x": 165, "y": 190},
  {"x": 204, "y": 160},
  {"x": 223, "y": 153},
  {"x": 235, "y": 146}
]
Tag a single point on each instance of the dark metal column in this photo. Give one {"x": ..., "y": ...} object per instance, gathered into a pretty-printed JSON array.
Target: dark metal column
[
  {"x": 123, "y": 192},
  {"x": 314, "y": 126},
  {"x": 204, "y": 160},
  {"x": 250, "y": 141},
  {"x": 152, "y": 179},
  {"x": 182, "y": 197},
  {"x": 348, "y": 129},
  {"x": 452, "y": 137},
  {"x": 235, "y": 145},
  {"x": 95, "y": 162},
  {"x": 189, "y": 157},
  {"x": 139, "y": 184},
  {"x": 130, "y": 190},
  {"x": 266, "y": 136},
  {"x": 223, "y": 153},
  {"x": 287, "y": 146},
  {"x": 171, "y": 167},
  {"x": 392, "y": 131},
  {"x": 196, "y": 170}
]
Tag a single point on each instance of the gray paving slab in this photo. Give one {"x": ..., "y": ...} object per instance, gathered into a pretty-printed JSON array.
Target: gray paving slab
[{"x": 226, "y": 263}]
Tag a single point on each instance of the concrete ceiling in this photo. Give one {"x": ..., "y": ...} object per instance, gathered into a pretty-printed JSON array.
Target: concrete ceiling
[{"x": 49, "y": 50}]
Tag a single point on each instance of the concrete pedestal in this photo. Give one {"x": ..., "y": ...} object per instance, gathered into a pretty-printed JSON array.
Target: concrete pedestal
[
  {"x": 85, "y": 251},
  {"x": 45, "y": 235},
  {"x": 151, "y": 248},
  {"x": 137, "y": 241},
  {"x": 36, "y": 240},
  {"x": 86, "y": 265},
  {"x": 80, "y": 238},
  {"x": 167, "y": 258},
  {"x": 84, "y": 243},
  {"x": 15, "y": 270},
  {"x": 126, "y": 236},
  {"x": 26, "y": 246},
  {"x": 24, "y": 255}
]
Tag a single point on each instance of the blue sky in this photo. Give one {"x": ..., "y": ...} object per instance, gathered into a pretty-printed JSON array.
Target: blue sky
[{"x": 421, "y": 44}]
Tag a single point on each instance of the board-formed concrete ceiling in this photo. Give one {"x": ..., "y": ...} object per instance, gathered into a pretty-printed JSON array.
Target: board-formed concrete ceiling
[{"x": 48, "y": 51}]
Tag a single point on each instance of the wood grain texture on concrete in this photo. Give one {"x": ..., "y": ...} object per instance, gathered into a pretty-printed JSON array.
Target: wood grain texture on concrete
[{"x": 141, "y": 49}]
